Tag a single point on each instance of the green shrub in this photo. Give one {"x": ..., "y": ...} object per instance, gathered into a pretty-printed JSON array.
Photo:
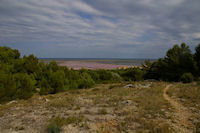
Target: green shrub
[
  {"x": 198, "y": 81},
  {"x": 116, "y": 76},
  {"x": 111, "y": 86},
  {"x": 103, "y": 111},
  {"x": 134, "y": 74},
  {"x": 75, "y": 119},
  {"x": 187, "y": 78},
  {"x": 7, "y": 55},
  {"x": 73, "y": 84},
  {"x": 53, "y": 66},
  {"x": 7, "y": 87},
  {"x": 45, "y": 88},
  {"x": 25, "y": 86},
  {"x": 85, "y": 81},
  {"x": 104, "y": 75},
  {"x": 16, "y": 86},
  {"x": 57, "y": 81},
  {"x": 55, "y": 125},
  {"x": 30, "y": 64},
  {"x": 94, "y": 75}
]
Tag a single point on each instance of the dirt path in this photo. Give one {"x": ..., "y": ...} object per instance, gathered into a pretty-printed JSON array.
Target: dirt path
[{"x": 182, "y": 114}]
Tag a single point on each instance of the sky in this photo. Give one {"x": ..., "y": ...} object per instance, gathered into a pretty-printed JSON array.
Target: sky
[{"x": 98, "y": 28}]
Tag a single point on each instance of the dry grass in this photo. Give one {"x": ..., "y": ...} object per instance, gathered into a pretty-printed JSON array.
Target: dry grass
[
  {"x": 151, "y": 101},
  {"x": 103, "y": 111},
  {"x": 105, "y": 108},
  {"x": 65, "y": 102},
  {"x": 189, "y": 96},
  {"x": 189, "y": 93}
]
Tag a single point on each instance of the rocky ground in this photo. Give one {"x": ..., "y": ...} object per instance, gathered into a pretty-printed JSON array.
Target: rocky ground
[{"x": 106, "y": 108}]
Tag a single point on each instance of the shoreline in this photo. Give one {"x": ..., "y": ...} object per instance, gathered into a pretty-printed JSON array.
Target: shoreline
[{"x": 91, "y": 65}]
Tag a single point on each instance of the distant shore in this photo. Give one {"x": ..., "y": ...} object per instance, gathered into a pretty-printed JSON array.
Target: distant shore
[
  {"x": 94, "y": 64},
  {"x": 90, "y": 65}
]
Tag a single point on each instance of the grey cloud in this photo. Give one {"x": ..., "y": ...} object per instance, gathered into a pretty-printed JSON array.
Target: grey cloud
[{"x": 105, "y": 28}]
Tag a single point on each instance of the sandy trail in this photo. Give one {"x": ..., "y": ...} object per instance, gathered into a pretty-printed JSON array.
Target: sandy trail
[{"x": 182, "y": 114}]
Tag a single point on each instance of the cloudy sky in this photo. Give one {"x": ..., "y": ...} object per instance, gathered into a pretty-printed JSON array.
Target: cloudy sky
[{"x": 98, "y": 28}]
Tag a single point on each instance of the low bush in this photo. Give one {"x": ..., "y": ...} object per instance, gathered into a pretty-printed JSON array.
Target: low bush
[
  {"x": 187, "y": 78},
  {"x": 24, "y": 86},
  {"x": 55, "y": 125},
  {"x": 103, "y": 111},
  {"x": 75, "y": 119},
  {"x": 133, "y": 74},
  {"x": 198, "y": 81},
  {"x": 85, "y": 81}
]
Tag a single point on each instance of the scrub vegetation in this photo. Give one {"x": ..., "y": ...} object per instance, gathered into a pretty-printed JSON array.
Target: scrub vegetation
[
  {"x": 21, "y": 76},
  {"x": 52, "y": 98}
]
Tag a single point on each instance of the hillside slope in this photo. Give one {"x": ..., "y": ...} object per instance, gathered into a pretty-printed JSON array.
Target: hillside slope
[{"x": 106, "y": 108}]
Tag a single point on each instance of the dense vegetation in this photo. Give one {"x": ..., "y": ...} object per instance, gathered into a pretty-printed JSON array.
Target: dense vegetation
[
  {"x": 19, "y": 77},
  {"x": 178, "y": 61}
]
